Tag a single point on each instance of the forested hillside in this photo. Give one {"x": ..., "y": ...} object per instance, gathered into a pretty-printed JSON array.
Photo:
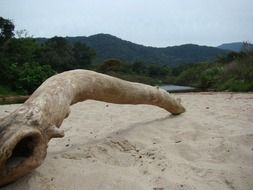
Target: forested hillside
[{"x": 108, "y": 46}]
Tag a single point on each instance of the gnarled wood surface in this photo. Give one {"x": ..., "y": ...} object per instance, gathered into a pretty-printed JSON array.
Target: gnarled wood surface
[{"x": 25, "y": 133}]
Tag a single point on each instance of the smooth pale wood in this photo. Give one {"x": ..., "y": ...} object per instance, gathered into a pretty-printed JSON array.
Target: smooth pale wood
[{"x": 39, "y": 118}]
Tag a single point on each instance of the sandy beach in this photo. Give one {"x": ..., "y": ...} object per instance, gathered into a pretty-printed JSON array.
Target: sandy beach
[{"x": 142, "y": 147}]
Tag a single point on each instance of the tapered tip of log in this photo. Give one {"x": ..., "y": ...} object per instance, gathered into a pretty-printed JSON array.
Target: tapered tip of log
[
  {"x": 22, "y": 151},
  {"x": 179, "y": 107}
]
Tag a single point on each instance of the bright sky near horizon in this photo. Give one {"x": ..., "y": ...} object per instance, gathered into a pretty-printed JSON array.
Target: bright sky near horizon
[{"x": 157, "y": 23}]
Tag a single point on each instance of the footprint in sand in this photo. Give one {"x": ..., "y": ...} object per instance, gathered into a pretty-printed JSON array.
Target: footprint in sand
[{"x": 112, "y": 150}]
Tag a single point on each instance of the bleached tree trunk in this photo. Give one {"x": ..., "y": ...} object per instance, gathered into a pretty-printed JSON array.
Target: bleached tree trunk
[{"x": 25, "y": 133}]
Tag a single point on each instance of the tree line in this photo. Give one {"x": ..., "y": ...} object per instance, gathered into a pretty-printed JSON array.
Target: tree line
[{"x": 25, "y": 63}]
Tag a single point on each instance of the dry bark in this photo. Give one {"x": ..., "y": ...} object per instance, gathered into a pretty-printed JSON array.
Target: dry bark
[{"x": 25, "y": 133}]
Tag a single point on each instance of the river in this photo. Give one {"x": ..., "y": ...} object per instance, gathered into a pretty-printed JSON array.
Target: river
[{"x": 176, "y": 88}]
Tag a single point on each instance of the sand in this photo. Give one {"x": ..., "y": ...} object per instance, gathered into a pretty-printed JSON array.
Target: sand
[{"x": 142, "y": 147}]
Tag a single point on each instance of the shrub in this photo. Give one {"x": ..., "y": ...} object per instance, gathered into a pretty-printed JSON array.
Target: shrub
[
  {"x": 237, "y": 86},
  {"x": 211, "y": 77},
  {"x": 27, "y": 77}
]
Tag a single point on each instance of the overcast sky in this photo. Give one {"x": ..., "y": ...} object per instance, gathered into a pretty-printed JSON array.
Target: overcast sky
[{"x": 157, "y": 23}]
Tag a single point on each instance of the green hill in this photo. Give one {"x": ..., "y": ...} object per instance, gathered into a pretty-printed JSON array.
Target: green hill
[{"x": 108, "y": 46}]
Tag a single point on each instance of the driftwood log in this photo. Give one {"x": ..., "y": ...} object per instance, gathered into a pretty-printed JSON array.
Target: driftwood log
[{"x": 25, "y": 133}]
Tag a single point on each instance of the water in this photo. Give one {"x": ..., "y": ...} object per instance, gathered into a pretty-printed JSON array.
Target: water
[{"x": 176, "y": 88}]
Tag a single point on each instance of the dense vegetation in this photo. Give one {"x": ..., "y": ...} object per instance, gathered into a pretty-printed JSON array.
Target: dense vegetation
[
  {"x": 26, "y": 62},
  {"x": 233, "y": 72}
]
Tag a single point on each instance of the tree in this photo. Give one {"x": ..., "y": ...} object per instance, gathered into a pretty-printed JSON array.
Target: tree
[
  {"x": 157, "y": 70},
  {"x": 83, "y": 55},
  {"x": 139, "y": 67},
  {"x": 22, "y": 50},
  {"x": 57, "y": 53},
  {"x": 20, "y": 70},
  {"x": 6, "y": 29},
  {"x": 63, "y": 56},
  {"x": 246, "y": 47},
  {"x": 22, "y": 33},
  {"x": 110, "y": 65},
  {"x": 31, "y": 75}
]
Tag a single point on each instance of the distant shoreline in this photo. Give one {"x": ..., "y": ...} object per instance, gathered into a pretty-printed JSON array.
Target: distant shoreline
[{"x": 12, "y": 99}]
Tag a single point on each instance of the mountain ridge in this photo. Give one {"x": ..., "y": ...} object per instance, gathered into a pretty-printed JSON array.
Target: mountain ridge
[
  {"x": 108, "y": 46},
  {"x": 234, "y": 46}
]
